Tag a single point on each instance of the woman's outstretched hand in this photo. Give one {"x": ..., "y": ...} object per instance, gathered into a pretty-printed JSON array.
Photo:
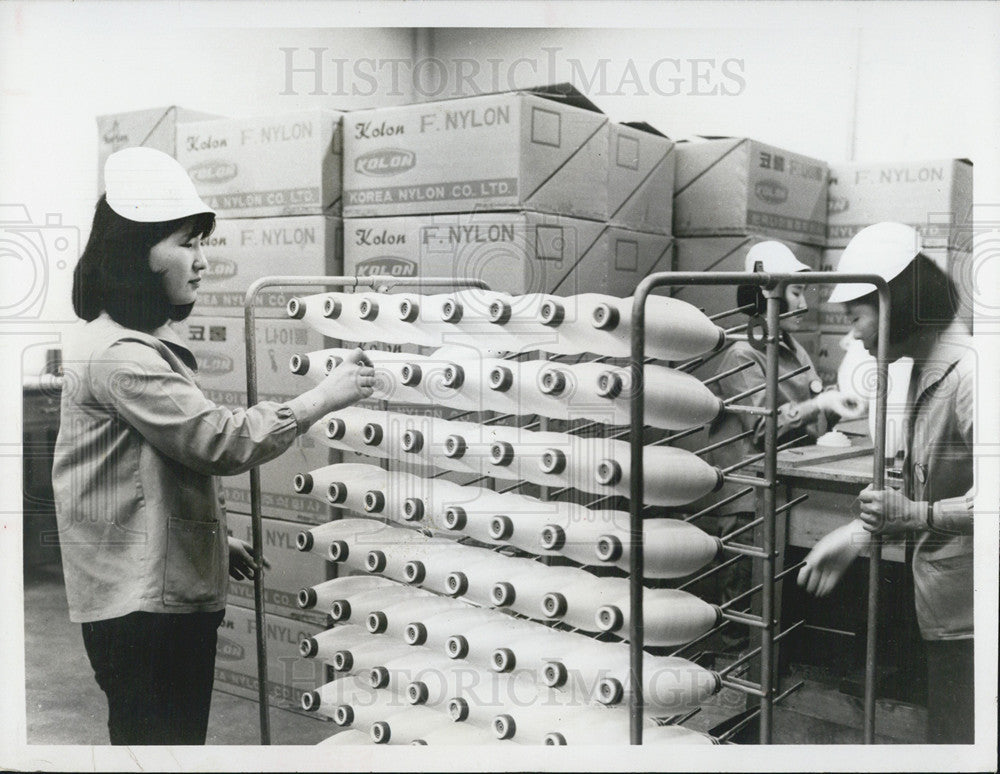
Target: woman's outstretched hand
[
  {"x": 831, "y": 556},
  {"x": 843, "y": 405},
  {"x": 350, "y": 381}
]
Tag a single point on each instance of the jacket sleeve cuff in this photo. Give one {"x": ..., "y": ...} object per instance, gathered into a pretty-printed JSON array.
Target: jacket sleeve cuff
[
  {"x": 952, "y": 516},
  {"x": 304, "y": 412}
]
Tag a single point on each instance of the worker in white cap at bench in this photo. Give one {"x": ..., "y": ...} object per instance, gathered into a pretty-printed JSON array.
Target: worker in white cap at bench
[{"x": 934, "y": 510}]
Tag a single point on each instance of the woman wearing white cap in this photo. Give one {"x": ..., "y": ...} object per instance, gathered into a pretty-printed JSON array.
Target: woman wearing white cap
[
  {"x": 805, "y": 410},
  {"x": 933, "y": 511},
  {"x": 141, "y": 523}
]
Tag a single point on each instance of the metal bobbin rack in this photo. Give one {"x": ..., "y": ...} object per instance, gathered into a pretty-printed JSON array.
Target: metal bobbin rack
[{"x": 764, "y": 690}]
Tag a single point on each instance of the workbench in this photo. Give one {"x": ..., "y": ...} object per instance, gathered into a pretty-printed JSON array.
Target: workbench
[{"x": 832, "y": 477}]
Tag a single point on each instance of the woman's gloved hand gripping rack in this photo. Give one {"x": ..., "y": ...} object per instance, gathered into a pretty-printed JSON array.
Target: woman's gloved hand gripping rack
[{"x": 467, "y": 597}]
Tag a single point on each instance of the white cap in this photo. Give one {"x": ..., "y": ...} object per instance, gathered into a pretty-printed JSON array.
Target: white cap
[
  {"x": 884, "y": 249},
  {"x": 776, "y": 258},
  {"x": 148, "y": 186}
]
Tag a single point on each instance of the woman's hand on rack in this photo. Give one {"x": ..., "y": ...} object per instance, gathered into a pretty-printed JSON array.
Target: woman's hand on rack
[
  {"x": 831, "y": 556},
  {"x": 352, "y": 380},
  {"x": 888, "y": 512},
  {"x": 241, "y": 563}
]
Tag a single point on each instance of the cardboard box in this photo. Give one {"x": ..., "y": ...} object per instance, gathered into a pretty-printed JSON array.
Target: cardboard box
[
  {"x": 935, "y": 197},
  {"x": 241, "y": 250},
  {"x": 515, "y": 252},
  {"x": 730, "y": 186},
  {"x": 152, "y": 128},
  {"x": 631, "y": 255},
  {"x": 290, "y": 569},
  {"x": 286, "y": 164},
  {"x": 288, "y": 674},
  {"x": 217, "y": 344},
  {"x": 539, "y": 150},
  {"x": 711, "y": 254},
  {"x": 829, "y": 354},
  {"x": 833, "y": 318},
  {"x": 641, "y": 165},
  {"x": 956, "y": 263}
]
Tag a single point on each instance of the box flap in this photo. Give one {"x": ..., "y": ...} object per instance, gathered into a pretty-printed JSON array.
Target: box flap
[
  {"x": 709, "y": 137},
  {"x": 886, "y": 162},
  {"x": 642, "y": 126},
  {"x": 565, "y": 93}
]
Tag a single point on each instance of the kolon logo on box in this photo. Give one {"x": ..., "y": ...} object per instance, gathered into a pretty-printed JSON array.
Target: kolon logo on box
[
  {"x": 214, "y": 363},
  {"x": 771, "y": 192},
  {"x": 386, "y": 265},
  {"x": 213, "y": 171},
  {"x": 220, "y": 269},
  {"x": 385, "y": 161},
  {"x": 115, "y": 137},
  {"x": 837, "y": 204},
  {"x": 227, "y": 650}
]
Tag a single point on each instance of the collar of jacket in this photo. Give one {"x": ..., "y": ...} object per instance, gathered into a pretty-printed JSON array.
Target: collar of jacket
[
  {"x": 950, "y": 346},
  {"x": 165, "y": 334}
]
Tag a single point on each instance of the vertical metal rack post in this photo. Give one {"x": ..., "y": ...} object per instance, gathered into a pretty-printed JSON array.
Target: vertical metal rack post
[
  {"x": 773, "y": 287},
  {"x": 250, "y": 321}
]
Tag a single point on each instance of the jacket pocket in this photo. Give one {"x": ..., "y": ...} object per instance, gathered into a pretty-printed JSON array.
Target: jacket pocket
[
  {"x": 192, "y": 572},
  {"x": 944, "y": 594}
]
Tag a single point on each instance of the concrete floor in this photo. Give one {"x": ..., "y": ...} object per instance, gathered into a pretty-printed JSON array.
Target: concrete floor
[{"x": 65, "y": 706}]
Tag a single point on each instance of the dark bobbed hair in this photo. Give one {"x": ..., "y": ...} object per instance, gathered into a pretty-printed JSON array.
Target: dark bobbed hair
[
  {"x": 113, "y": 274},
  {"x": 922, "y": 296}
]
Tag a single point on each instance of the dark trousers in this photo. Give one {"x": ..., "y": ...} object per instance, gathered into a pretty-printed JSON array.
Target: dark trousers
[
  {"x": 950, "y": 691},
  {"x": 157, "y": 670}
]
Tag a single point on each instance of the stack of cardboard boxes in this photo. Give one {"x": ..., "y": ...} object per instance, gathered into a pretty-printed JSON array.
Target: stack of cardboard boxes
[
  {"x": 275, "y": 184},
  {"x": 153, "y": 128},
  {"x": 933, "y": 196},
  {"x": 732, "y": 193},
  {"x": 532, "y": 192}
]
